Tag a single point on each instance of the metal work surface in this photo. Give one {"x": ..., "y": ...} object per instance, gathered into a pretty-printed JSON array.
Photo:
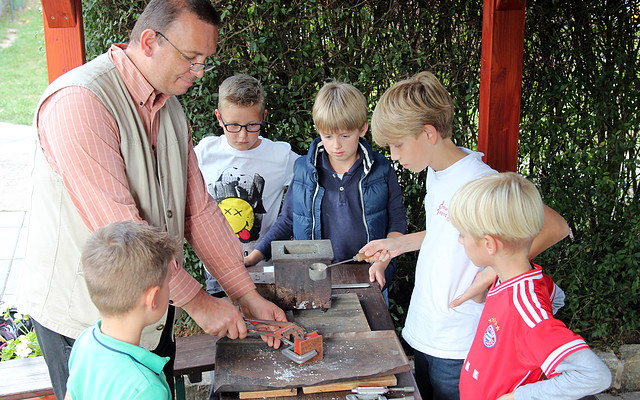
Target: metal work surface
[{"x": 295, "y": 288}]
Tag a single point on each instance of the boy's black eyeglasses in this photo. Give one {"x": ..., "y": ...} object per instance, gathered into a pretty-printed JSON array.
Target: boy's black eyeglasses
[
  {"x": 235, "y": 128},
  {"x": 195, "y": 67}
]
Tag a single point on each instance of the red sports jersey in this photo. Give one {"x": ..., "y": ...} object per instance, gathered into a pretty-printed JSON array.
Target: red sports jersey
[{"x": 517, "y": 340}]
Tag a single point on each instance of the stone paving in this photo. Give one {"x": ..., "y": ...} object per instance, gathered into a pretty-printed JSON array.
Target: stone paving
[{"x": 16, "y": 142}]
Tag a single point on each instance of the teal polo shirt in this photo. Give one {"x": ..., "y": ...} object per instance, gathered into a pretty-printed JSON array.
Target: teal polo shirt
[{"x": 101, "y": 367}]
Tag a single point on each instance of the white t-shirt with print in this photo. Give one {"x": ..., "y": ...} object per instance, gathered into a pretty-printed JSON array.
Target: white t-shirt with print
[
  {"x": 248, "y": 185},
  {"x": 443, "y": 270}
]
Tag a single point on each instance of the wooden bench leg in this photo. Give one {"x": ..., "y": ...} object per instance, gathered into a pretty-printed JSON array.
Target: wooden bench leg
[
  {"x": 194, "y": 355},
  {"x": 196, "y": 377},
  {"x": 180, "y": 391}
]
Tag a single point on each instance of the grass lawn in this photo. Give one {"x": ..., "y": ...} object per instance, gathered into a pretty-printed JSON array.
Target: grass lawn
[{"x": 23, "y": 65}]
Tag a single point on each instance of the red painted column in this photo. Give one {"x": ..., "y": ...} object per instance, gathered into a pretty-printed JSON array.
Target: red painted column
[
  {"x": 501, "y": 82},
  {"x": 63, "y": 35}
]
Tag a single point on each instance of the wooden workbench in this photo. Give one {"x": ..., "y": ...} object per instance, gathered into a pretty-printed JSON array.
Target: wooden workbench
[{"x": 377, "y": 316}]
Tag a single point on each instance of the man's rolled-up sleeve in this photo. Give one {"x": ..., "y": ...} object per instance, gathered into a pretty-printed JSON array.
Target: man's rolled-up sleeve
[{"x": 212, "y": 238}]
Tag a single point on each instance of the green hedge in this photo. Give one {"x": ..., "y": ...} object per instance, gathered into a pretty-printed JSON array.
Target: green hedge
[
  {"x": 579, "y": 133},
  {"x": 579, "y": 141}
]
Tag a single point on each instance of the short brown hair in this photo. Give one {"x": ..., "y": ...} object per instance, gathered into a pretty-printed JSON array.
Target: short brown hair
[
  {"x": 339, "y": 106},
  {"x": 159, "y": 14},
  {"x": 241, "y": 90},
  {"x": 122, "y": 260},
  {"x": 410, "y": 104}
]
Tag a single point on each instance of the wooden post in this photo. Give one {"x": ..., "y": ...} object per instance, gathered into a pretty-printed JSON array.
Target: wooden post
[
  {"x": 63, "y": 35},
  {"x": 501, "y": 82}
]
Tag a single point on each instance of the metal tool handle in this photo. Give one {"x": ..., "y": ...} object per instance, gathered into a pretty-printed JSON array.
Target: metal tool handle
[
  {"x": 266, "y": 321},
  {"x": 357, "y": 258},
  {"x": 377, "y": 390},
  {"x": 375, "y": 397},
  {"x": 408, "y": 389},
  {"x": 399, "y": 398}
]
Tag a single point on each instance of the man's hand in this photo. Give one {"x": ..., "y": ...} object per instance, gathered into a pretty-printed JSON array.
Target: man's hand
[
  {"x": 255, "y": 306},
  {"x": 218, "y": 317},
  {"x": 478, "y": 289}
]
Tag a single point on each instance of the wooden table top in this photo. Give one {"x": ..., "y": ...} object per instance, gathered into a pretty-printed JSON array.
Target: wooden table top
[{"x": 377, "y": 315}]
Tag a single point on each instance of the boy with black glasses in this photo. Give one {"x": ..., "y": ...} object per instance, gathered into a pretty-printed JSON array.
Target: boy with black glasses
[{"x": 244, "y": 172}]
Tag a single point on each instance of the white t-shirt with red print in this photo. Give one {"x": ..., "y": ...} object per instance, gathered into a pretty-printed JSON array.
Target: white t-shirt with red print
[{"x": 443, "y": 270}]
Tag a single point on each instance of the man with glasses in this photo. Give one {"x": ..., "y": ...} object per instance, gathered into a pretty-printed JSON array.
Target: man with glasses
[
  {"x": 244, "y": 172},
  {"x": 114, "y": 144}
]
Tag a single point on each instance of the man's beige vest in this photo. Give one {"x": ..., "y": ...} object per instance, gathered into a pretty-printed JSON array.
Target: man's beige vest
[{"x": 52, "y": 289}]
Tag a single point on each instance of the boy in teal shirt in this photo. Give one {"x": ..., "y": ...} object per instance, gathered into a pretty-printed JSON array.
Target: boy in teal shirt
[{"x": 126, "y": 267}]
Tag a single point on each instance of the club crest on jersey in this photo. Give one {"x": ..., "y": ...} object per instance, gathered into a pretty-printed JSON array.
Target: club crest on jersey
[{"x": 489, "y": 338}]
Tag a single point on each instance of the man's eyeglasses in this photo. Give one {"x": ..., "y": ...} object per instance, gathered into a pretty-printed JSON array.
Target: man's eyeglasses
[
  {"x": 195, "y": 67},
  {"x": 235, "y": 128}
]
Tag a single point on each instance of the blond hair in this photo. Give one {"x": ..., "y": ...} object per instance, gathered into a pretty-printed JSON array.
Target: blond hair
[
  {"x": 241, "y": 90},
  {"x": 122, "y": 260},
  {"x": 504, "y": 205},
  {"x": 410, "y": 104},
  {"x": 339, "y": 107}
]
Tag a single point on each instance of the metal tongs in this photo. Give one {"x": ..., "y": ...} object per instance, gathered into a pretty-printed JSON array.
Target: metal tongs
[
  {"x": 282, "y": 330},
  {"x": 381, "y": 389}
]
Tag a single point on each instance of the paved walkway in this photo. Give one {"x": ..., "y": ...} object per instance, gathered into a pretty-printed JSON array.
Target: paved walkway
[{"x": 16, "y": 142}]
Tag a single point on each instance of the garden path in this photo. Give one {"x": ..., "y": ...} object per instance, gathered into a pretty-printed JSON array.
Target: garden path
[{"x": 16, "y": 142}]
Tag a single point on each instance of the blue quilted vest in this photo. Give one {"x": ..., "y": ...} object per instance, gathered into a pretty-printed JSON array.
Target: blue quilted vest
[{"x": 307, "y": 193}]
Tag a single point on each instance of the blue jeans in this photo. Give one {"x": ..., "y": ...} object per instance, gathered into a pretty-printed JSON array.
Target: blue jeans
[
  {"x": 437, "y": 378},
  {"x": 56, "y": 350}
]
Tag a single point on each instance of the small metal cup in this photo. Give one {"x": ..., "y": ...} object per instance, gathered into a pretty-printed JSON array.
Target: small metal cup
[{"x": 318, "y": 271}]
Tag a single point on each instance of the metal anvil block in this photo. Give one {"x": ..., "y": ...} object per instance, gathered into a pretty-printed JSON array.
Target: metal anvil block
[{"x": 291, "y": 262}]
